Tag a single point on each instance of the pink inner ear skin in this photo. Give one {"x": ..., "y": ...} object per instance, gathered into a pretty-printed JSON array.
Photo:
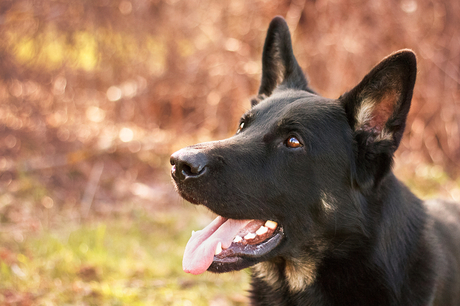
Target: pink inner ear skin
[{"x": 382, "y": 111}]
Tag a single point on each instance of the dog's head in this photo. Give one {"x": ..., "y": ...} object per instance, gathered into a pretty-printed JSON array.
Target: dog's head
[{"x": 297, "y": 166}]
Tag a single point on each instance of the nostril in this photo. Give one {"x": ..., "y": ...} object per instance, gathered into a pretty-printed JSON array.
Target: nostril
[
  {"x": 187, "y": 170},
  {"x": 192, "y": 170}
]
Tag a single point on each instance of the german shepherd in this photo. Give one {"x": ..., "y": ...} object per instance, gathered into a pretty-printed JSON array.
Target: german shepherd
[{"x": 305, "y": 194}]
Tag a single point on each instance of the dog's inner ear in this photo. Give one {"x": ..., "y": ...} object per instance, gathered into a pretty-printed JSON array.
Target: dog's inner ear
[
  {"x": 279, "y": 65},
  {"x": 376, "y": 110}
]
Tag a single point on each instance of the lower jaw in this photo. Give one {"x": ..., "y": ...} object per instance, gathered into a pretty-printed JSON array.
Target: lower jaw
[
  {"x": 231, "y": 264},
  {"x": 247, "y": 258}
]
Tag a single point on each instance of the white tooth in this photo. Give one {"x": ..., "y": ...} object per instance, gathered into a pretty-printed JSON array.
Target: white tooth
[
  {"x": 271, "y": 224},
  {"x": 218, "y": 248},
  {"x": 237, "y": 239},
  {"x": 262, "y": 230},
  {"x": 250, "y": 236}
]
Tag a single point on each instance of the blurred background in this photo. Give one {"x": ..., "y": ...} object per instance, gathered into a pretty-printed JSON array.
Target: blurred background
[{"x": 96, "y": 95}]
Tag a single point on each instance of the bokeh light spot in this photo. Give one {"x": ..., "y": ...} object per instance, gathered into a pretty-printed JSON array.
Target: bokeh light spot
[
  {"x": 126, "y": 134},
  {"x": 95, "y": 114},
  {"x": 114, "y": 93}
]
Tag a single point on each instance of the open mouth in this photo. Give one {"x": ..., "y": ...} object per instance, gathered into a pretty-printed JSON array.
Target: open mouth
[{"x": 229, "y": 244}]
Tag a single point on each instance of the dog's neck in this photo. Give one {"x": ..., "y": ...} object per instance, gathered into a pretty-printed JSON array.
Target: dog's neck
[{"x": 347, "y": 256}]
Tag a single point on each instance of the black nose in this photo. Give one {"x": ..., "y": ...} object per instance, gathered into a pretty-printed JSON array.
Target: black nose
[{"x": 188, "y": 163}]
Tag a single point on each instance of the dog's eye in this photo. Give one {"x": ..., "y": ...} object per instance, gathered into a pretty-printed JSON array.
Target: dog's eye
[
  {"x": 240, "y": 127},
  {"x": 293, "y": 142}
]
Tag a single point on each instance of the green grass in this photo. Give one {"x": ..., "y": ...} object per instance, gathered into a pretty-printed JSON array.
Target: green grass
[
  {"x": 129, "y": 257},
  {"x": 126, "y": 260}
]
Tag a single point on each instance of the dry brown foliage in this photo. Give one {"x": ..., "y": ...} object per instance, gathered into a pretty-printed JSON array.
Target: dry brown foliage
[{"x": 115, "y": 86}]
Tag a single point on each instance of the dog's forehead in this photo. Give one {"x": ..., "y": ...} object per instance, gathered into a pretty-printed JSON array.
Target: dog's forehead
[{"x": 294, "y": 104}]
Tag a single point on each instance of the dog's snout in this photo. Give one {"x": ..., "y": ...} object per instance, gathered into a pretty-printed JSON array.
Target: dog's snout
[{"x": 188, "y": 163}]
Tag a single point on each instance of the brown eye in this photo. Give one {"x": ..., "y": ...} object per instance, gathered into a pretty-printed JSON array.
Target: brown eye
[
  {"x": 293, "y": 142},
  {"x": 240, "y": 127}
]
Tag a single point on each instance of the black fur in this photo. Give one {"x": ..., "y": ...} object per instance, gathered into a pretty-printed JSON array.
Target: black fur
[{"x": 353, "y": 234}]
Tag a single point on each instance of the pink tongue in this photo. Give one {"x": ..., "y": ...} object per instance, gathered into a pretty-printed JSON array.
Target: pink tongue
[{"x": 201, "y": 247}]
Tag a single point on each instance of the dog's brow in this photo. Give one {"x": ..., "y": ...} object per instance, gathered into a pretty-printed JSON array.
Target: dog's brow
[
  {"x": 290, "y": 123},
  {"x": 247, "y": 117}
]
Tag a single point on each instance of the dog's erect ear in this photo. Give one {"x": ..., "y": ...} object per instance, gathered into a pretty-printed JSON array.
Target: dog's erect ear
[
  {"x": 279, "y": 66},
  {"x": 376, "y": 110}
]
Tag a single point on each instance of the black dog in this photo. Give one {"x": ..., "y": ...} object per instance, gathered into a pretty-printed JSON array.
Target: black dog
[{"x": 305, "y": 194}]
